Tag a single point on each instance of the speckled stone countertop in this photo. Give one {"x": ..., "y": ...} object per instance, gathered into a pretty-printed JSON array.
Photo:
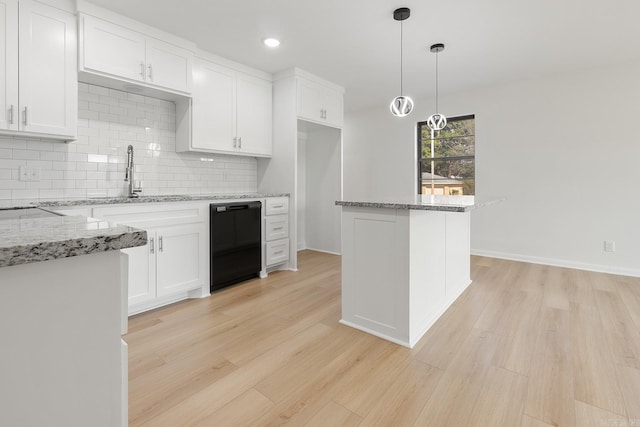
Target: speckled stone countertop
[
  {"x": 28, "y": 240},
  {"x": 427, "y": 203},
  {"x": 153, "y": 199}
]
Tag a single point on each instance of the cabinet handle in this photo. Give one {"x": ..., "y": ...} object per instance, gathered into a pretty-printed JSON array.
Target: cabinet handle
[
  {"x": 278, "y": 206},
  {"x": 25, "y": 116},
  {"x": 11, "y": 115},
  {"x": 277, "y": 228},
  {"x": 160, "y": 244},
  {"x": 150, "y": 73},
  {"x": 142, "y": 70},
  {"x": 278, "y": 252},
  {"x": 152, "y": 248},
  {"x": 240, "y": 142}
]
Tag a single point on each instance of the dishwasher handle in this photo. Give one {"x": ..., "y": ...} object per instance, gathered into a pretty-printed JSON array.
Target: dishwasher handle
[
  {"x": 226, "y": 207},
  {"x": 238, "y": 207}
]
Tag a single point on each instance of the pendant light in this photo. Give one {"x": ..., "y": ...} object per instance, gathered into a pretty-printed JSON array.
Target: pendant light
[
  {"x": 401, "y": 106},
  {"x": 437, "y": 121}
]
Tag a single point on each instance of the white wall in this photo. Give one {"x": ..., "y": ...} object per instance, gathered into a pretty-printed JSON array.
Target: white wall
[
  {"x": 562, "y": 149},
  {"x": 94, "y": 164},
  {"x": 323, "y": 186},
  {"x": 302, "y": 188}
]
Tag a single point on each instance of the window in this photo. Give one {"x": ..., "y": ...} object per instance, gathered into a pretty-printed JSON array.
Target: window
[{"x": 446, "y": 163}]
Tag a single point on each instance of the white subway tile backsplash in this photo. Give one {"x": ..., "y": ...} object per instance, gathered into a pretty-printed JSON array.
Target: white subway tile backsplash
[
  {"x": 51, "y": 194},
  {"x": 94, "y": 164},
  {"x": 25, "y": 194},
  {"x": 40, "y": 145},
  {"x": 12, "y": 164},
  {"x": 74, "y": 175},
  {"x": 26, "y": 155},
  {"x": 52, "y": 155},
  {"x": 98, "y": 90}
]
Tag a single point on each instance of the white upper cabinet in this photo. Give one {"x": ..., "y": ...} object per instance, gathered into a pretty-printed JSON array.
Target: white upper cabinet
[
  {"x": 114, "y": 51},
  {"x": 253, "y": 115},
  {"x": 169, "y": 66},
  {"x": 231, "y": 113},
  {"x": 319, "y": 103},
  {"x": 9, "y": 64},
  {"x": 213, "y": 108},
  {"x": 38, "y": 71}
]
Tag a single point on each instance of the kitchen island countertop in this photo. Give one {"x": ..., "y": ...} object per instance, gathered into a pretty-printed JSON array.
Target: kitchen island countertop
[
  {"x": 427, "y": 203},
  {"x": 28, "y": 240}
]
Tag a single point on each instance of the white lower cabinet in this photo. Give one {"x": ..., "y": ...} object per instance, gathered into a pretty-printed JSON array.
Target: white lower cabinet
[
  {"x": 142, "y": 271},
  {"x": 173, "y": 261},
  {"x": 277, "y": 252},
  {"x": 178, "y": 265},
  {"x": 277, "y": 227},
  {"x": 276, "y": 231},
  {"x": 169, "y": 263}
]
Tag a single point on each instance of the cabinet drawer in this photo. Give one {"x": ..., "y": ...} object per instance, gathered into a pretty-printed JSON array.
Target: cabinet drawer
[
  {"x": 277, "y": 227},
  {"x": 277, "y": 252},
  {"x": 277, "y": 205}
]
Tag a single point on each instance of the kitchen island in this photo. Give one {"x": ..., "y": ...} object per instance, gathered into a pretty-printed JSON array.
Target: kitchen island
[
  {"x": 62, "y": 314},
  {"x": 404, "y": 262}
]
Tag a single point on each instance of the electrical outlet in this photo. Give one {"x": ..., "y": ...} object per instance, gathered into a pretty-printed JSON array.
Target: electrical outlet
[
  {"x": 609, "y": 246},
  {"x": 29, "y": 174}
]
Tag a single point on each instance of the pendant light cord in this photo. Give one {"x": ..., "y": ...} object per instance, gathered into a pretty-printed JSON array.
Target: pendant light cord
[
  {"x": 401, "y": 88},
  {"x": 437, "y": 82}
]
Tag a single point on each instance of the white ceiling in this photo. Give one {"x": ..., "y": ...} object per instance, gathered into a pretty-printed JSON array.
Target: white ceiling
[{"x": 356, "y": 43}]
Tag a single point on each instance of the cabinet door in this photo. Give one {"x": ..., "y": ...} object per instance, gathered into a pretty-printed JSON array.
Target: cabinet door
[
  {"x": 254, "y": 115},
  {"x": 309, "y": 96},
  {"x": 179, "y": 264},
  {"x": 332, "y": 103},
  {"x": 142, "y": 271},
  {"x": 214, "y": 108},
  {"x": 9, "y": 64},
  {"x": 111, "y": 49},
  {"x": 48, "y": 70},
  {"x": 169, "y": 66}
]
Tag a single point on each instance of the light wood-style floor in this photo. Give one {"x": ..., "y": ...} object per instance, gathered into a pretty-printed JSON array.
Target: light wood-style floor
[{"x": 525, "y": 345}]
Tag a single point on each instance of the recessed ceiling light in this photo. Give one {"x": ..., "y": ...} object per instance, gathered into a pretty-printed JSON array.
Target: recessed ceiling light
[{"x": 271, "y": 42}]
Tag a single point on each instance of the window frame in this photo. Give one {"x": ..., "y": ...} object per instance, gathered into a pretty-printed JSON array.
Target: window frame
[{"x": 419, "y": 126}]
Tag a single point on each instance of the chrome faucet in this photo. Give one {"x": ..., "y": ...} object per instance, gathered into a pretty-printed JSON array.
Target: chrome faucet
[{"x": 128, "y": 175}]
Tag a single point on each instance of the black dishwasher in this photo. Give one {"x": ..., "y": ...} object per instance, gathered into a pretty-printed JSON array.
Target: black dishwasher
[{"x": 234, "y": 242}]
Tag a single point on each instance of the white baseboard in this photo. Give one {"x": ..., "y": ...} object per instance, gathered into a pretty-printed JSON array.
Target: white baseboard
[
  {"x": 559, "y": 263},
  {"x": 320, "y": 250},
  {"x": 376, "y": 333}
]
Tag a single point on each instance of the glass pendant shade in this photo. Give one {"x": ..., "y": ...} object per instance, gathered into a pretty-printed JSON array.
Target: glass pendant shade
[
  {"x": 401, "y": 106},
  {"x": 437, "y": 121}
]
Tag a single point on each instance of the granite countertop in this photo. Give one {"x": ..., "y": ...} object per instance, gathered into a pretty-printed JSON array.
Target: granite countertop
[
  {"x": 153, "y": 199},
  {"x": 28, "y": 240},
  {"x": 427, "y": 203}
]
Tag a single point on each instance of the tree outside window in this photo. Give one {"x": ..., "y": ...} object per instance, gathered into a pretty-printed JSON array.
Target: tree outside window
[{"x": 448, "y": 168}]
